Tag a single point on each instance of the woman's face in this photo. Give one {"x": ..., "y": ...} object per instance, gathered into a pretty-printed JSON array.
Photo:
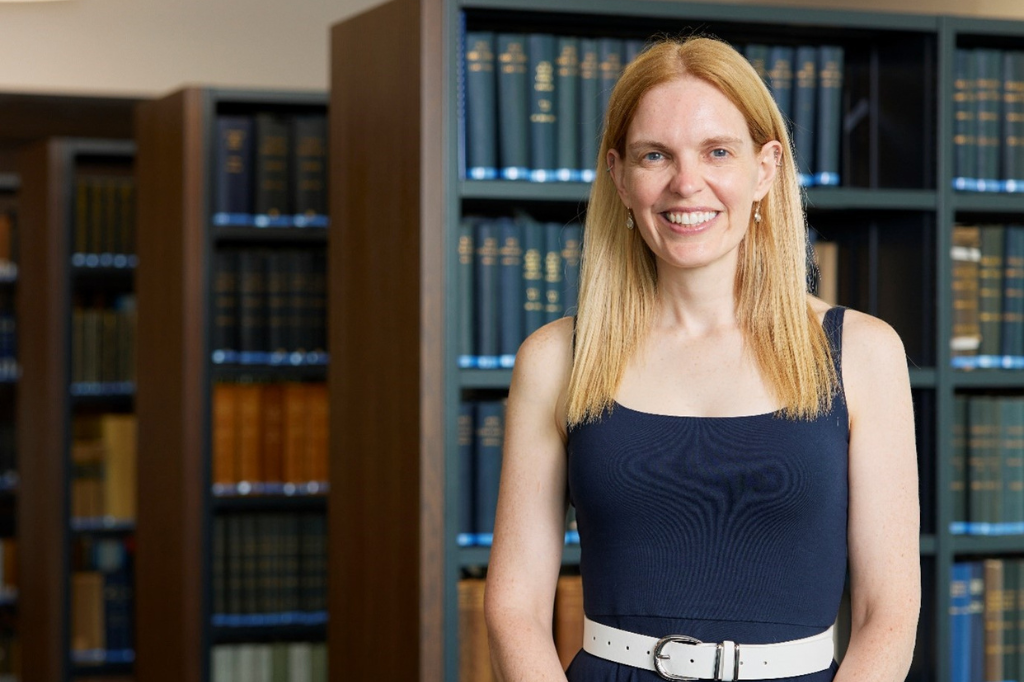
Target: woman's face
[{"x": 691, "y": 174}]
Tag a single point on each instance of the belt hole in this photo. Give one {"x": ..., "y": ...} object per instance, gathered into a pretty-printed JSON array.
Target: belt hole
[
  {"x": 627, "y": 648},
  {"x": 609, "y": 643}
]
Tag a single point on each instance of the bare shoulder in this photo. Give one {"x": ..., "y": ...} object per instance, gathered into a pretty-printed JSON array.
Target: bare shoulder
[
  {"x": 544, "y": 362},
  {"x": 874, "y": 363}
]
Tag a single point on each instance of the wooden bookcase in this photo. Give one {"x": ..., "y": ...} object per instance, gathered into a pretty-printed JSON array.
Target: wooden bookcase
[
  {"x": 50, "y": 399},
  {"x": 179, "y": 510},
  {"x": 9, "y": 185},
  {"x": 396, "y": 187}
]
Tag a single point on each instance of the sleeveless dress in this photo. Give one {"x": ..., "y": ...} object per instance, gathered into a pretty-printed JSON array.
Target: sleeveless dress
[{"x": 721, "y": 528}]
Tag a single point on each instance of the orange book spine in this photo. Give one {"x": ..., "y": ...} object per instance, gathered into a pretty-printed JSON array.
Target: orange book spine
[
  {"x": 294, "y": 432},
  {"x": 273, "y": 433},
  {"x": 317, "y": 424},
  {"x": 250, "y": 433},
  {"x": 474, "y": 652},
  {"x": 225, "y": 427},
  {"x": 568, "y": 618}
]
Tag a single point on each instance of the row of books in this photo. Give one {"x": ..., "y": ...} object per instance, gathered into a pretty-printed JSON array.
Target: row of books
[
  {"x": 103, "y": 339},
  {"x": 269, "y": 306},
  {"x": 275, "y": 662},
  {"x": 474, "y": 652},
  {"x": 269, "y": 568},
  {"x": 515, "y": 275},
  {"x": 105, "y": 217},
  {"x": 988, "y": 120},
  {"x": 271, "y": 170},
  {"x": 534, "y": 104},
  {"x": 987, "y": 620},
  {"x": 270, "y": 438},
  {"x": 988, "y": 296},
  {"x": 102, "y": 601},
  {"x": 104, "y": 461}
]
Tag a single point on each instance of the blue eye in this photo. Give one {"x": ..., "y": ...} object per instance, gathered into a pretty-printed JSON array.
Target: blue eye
[
  {"x": 652, "y": 156},
  {"x": 719, "y": 153}
]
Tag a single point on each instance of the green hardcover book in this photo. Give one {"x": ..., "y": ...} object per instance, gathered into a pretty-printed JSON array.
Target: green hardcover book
[
  {"x": 590, "y": 111},
  {"x": 1012, "y": 133},
  {"x": 780, "y": 79},
  {"x": 319, "y": 655},
  {"x": 465, "y": 286},
  {"x": 279, "y": 662},
  {"x": 1011, "y": 459},
  {"x": 291, "y": 597},
  {"x": 553, "y": 305},
  {"x": 990, "y": 294},
  {"x": 300, "y": 662},
  {"x": 994, "y": 623},
  {"x": 252, "y": 303},
  {"x": 571, "y": 245},
  {"x": 1008, "y": 607},
  {"x": 486, "y": 276},
  {"x": 987, "y": 117},
  {"x": 966, "y": 256},
  {"x": 533, "y": 274},
  {"x": 1012, "y": 323},
  {"x": 805, "y": 99},
  {"x": 757, "y": 55},
  {"x": 272, "y": 179},
  {"x": 235, "y": 552},
  {"x": 567, "y": 114},
  {"x": 830, "y": 115},
  {"x": 982, "y": 443},
  {"x": 1017, "y": 566},
  {"x": 611, "y": 55},
  {"x": 958, "y": 479},
  {"x": 510, "y": 290},
  {"x": 513, "y": 107},
  {"x": 222, "y": 663},
  {"x": 481, "y": 107},
  {"x": 965, "y": 153},
  {"x": 490, "y": 433},
  {"x": 543, "y": 98},
  {"x": 309, "y": 170}
]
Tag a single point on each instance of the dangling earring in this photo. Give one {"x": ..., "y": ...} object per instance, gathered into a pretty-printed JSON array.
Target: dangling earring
[
  {"x": 757, "y": 212},
  {"x": 630, "y": 223}
]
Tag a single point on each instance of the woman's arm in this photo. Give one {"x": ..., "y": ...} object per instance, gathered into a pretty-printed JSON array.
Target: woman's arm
[
  {"x": 529, "y": 531},
  {"x": 884, "y": 513}
]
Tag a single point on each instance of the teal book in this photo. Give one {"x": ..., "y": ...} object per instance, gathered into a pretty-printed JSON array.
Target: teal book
[
  {"x": 553, "y": 307},
  {"x": 611, "y": 52},
  {"x": 983, "y": 465},
  {"x": 958, "y": 479},
  {"x": 780, "y": 79},
  {"x": 987, "y": 106},
  {"x": 1011, "y": 460},
  {"x": 830, "y": 115},
  {"x": 571, "y": 251},
  {"x": 757, "y": 55},
  {"x": 1012, "y": 323},
  {"x": 805, "y": 99},
  {"x": 959, "y": 612},
  {"x": 1012, "y": 133},
  {"x": 309, "y": 170},
  {"x": 633, "y": 47},
  {"x": 465, "y": 287},
  {"x": 567, "y": 109},
  {"x": 976, "y": 609},
  {"x": 273, "y": 154},
  {"x": 486, "y": 280},
  {"x": 510, "y": 287},
  {"x": 490, "y": 434},
  {"x": 543, "y": 96},
  {"x": 513, "y": 107},
  {"x": 590, "y": 111},
  {"x": 534, "y": 291},
  {"x": 465, "y": 536},
  {"x": 990, "y": 295},
  {"x": 480, "y": 87},
  {"x": 965, "y": 154}
]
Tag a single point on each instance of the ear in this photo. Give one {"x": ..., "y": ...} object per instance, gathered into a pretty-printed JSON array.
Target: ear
[
  {"x": 768, "y": 161},
  {"x": 617, "y": 169}
]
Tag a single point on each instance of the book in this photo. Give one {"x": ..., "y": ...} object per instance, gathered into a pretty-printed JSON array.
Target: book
[
  {"x": 309, "y": 170},
  {"x": 611, "y": 59},
  {"x": 277, "y": 298},
  {"x": 987, "y": 115},
  {"x": 317, "y": 433},
  {"x": 780, "y": 79},
  {"x": 299, "y": 288},
  {"x": 826, "y": 257},
  {"x": 995, "y": 625},
  {"x": 481, "y": 146},
  {"x": 295, "y": 409},
  {"x": 958, "y": 455},
  {"x": 553, "y": 305},
  {"x": 805, "y": 98},
  {"x": 316, "y": 308},
  {"x": 959, "y": 612},
  {"x": 965, "y": 154},
  {"x": 272, "y": 425},
  {"x": 543, "y": 98},
  {"x": 571, "y": 245},
  {"x": 233, "y": 176},
  {"x": 1012, "y": 129},
  {"x": 568, "y": 618},
  {"x": 249, "y": 441},
  {"x": 567, "y": 113},
  {"x": 510, "y": 290},
  {"x": 1012, "y": 320},
  {"x": 534, "y": 287},
  {"x": 983, "y": 466},
  {"x": 990, "y": 292},
  {"x": 272, "y": 171},
  {"x": 224, "y": 443},
  {"x": 466, "y": 477},
  {"x": 465, "y": 286},
  {"x": 590, "y": 109},
  {"x": 474, "y": 653},
  {"x": 830, "y": 115},
  {"x": 487, "y": 280},
  {"x": 976, "y": 609},
  {"x": 252, "y": 305},
  {"x": 513, "y": 107},
  {"x": 1011, "y": 469},
  {"x": 966, "y": 256},
  {"x": 489, "y": 432},
  {"x": 119, "y": 436},
  {"x": 757, "y": 55},
  {"x": 88, "y": 630}
]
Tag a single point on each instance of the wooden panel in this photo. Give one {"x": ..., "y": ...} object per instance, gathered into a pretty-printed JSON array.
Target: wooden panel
[
  {"x": 170, "y": 401},
  {"x": 43, "y": 411},
  {"x": 386, "y": 375}
]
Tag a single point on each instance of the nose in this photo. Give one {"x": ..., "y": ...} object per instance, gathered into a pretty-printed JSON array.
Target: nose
[{"x": 687, "y": 179}]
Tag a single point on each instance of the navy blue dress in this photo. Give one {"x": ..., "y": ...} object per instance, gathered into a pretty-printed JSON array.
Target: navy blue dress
[{"x": 730, "y": 528}]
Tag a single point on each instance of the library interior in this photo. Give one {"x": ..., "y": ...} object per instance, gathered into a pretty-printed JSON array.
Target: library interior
[{"x": 277, "y": 459}]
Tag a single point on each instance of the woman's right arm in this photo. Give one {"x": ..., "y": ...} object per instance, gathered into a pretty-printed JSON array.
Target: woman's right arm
[{"x": 529, "y": 531}]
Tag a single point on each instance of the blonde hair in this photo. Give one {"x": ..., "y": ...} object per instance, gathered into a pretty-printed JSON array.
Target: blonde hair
[{"x": 618, "y": 279}]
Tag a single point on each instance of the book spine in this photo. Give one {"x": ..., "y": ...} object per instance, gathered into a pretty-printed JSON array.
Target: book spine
[
  {"x": 987, "y": 118},
  {"x": 299, "y": 273},
  {"x": 466, "y": 475},
  {"x": 277, "y": 301},
  {"x": 272, "y": 173},
  {"x": 252, "y": 300},
  {"x": 316, "y": 302},
  {"x": 611, "y": 53},
  {"x": 830, "y": 115},
  {"x": 309, "y": 170},
  {"x": 465, "y": 286},
  {"x": 533, "y": 275},
  {"x": 757, "y": 55},
  {"x": 486, "y": 278},
  {"x": 1012, "y": 456},
  {"x": 543, "y": 98},
  {"x": 510, "y": 287},
  {"x": 959, "y": 603},
  {"x": 234, "y": 561},
  {"x": 225, "y": 435},
  {"x": 295, "y": 409},
  {"x": 805, "y": 111},
  {"x": 513, "y": 107},
  {"x": 590, "y": 113},
  {"x": 965, "y": 160},
  {"x": 976, "y": 592},
  {"x": 567, "y": 114},
  {"x": 994, "y": 626},
  {"x": 250, "y": 442},
  {"x": 990, "y": 291},
  {"x": 571, "y": 245},
  {"x": 474, "y": 654},
  {"x": 1012, "y": 147},
  {"x": 489, "y": 432},
  {"x": 958, "y": 453},
  {"x": 317, "y": 433},
  {"x": 481, "y": 107},
  {"x": 978, "y": 436},
  {"x": 568, "y": 618},
  {"x": 553, "y": 306},
  {"x": 218, "y": 566},
  {"x": 1012, "y": 322},
  {"x": 780, "y": 79},
  {"x": 966, "y": 257},
  {"x": 233, "y": 179}
]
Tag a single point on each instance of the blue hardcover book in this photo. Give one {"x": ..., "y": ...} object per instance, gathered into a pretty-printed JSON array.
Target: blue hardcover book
[
  {"x": 490, "y": 434},
  {"x": 1012, "y": 321},
  {"x": 805, "y": 97},
  {"x": 987, "y": 121},
  {"x": 757, "y": 55},
  {"x": 633, "y": 48},
  {"x": 466, "y": 476},
  {"x": 567, "y": 104},
  {"x": 480, "y": 85},
  {"x": 1012, "y": 134},
  {"x": 486, "y": 280},
  {"x": 513, "y": 107},
  {"x": 553, "y": 306},
  {"x": 543, "y": 99},
  {"x": 611, "y": 52},
  {"x": 958, "y": 452},
  {"x": 465, "y": 287},
  {"x": 976, "y": 614},
  {"x": 965, "y": 156},
  {"x": 590, "y": 109},
  {"x": 960, "y": 627},
  {"x": 830, "y": 115},
  {"x": 780, "y": 79},
  {"x": 571, "y": 245},
  {"x": 510, "y": 287},
  {"x": 233, "y": 177},
  {"x": 1011, "y": 460},
  {"x": 534, "y": 291}
]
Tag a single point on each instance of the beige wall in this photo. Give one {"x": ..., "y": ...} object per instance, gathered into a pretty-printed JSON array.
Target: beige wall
[{"x": 148, "y": 47}]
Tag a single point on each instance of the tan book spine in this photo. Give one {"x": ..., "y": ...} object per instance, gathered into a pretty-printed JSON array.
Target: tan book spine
[
  {"x": 294, "y": 432},
  {"x": 568, "y": 618},
  {"x": 474, "y": 654},
  {"x": 120, "y": 436},
  {"x": 225, "y": 425},
  {"x": 316, "y": 432},
  {"x": 273, "y": 433},
  {"x": 250, "y": 433}
]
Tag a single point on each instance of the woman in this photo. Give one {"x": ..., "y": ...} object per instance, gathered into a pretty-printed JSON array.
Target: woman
[{"x": 728, "y": 442}]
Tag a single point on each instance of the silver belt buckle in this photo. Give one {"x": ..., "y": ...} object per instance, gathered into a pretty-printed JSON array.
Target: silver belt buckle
[{"x": 659, "y": 657}]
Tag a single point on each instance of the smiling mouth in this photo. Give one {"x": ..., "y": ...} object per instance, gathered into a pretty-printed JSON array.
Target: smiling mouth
[{"x": 690, "y": 218}]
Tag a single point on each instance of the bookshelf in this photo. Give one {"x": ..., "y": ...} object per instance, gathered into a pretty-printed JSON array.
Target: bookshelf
[
  {"x": 69, "y": 630},
  {"x": 192, "y": 516}
]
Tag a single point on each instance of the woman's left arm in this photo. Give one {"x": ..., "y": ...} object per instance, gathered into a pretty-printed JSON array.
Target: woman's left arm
[{"x": 884, "y": 512}]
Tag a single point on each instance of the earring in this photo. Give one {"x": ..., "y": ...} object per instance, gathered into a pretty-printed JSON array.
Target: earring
[
  {"x": 757, "y": 212},
  {"x": 630, "y": 223}
]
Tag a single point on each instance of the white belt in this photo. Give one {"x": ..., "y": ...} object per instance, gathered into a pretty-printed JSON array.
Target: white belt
[{"x": 678, "y": 657}]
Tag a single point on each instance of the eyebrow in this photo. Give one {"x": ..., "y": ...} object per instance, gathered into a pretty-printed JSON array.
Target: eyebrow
[{"x": 718, "y": 140}]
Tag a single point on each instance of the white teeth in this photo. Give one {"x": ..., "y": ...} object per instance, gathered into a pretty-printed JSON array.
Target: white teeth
[{"x": 691, "y": 217}]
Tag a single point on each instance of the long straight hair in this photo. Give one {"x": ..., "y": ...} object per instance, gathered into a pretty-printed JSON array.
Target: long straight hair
[{"x": 619, "y": 278}]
